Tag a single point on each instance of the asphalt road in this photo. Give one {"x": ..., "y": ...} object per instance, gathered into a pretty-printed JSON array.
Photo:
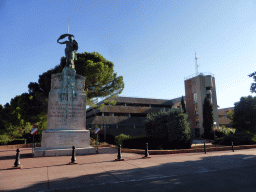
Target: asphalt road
[{"x": 234, "y": 179}]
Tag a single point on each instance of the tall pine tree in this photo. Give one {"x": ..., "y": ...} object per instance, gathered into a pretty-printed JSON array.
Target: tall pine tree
[
  {"x": 183, "y": 105},
  {"x": 207, "y": 118}
]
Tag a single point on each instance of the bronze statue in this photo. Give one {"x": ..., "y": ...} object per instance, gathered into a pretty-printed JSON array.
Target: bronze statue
[{"x": 71, "y": 48}]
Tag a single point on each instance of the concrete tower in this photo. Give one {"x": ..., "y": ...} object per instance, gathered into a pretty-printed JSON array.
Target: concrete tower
[{"x": 197, "y": 87}]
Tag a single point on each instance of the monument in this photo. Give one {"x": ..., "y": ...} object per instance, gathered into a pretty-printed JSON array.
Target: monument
[{"x": 66, "y": 122}]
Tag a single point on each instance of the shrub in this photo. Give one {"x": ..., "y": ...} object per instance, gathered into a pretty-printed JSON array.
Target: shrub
[
  {"x": 120, "y": 138},
  {"x": 178, "y": 127},
  {"x": 155, "y": 143},
  {"x": 171, "y": 127},
  {"x": 4, "y": 139},
  {"x": 18, "y": 141},
  {"x": 238, "y": 138},
  {"x": 224, "y": 131},
  {"x": 92, "y": 141}
]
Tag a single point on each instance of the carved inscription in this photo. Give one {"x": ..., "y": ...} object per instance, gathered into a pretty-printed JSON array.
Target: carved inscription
[
  {"x": 65, "y": 97},
  {"x": 66, "y": 110}
]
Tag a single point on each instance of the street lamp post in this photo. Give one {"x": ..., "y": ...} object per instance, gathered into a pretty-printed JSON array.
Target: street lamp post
[{"x": 214, "y": 129}]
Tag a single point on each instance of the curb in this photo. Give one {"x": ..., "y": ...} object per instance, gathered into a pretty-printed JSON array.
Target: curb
[
  {"x": 162, "y": 152},
  {"x": 151, "y": 152},
  {"x": 29, "y": 145}
]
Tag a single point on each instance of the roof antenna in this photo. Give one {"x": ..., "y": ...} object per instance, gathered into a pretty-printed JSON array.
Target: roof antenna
[
  {"x": 196, "y": 58},
  {"x": 68, "y": 25}
]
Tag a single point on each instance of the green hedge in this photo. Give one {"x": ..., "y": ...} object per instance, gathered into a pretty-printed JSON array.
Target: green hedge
[
  {"x": 4, "y": 139},
  {"x": 18, "y": 141},
  {"x": 224, "y": 131},
  {"x": 153, "y": 143},
  {"x": 238, "y": 138},
  {"x": 4, "y": 142}
]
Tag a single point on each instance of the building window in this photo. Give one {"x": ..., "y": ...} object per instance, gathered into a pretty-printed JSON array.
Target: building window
[
  {"x": 197, "y": 121},
  {"x": 195, "y": 97},
  {"x": 196, "y": 109}
]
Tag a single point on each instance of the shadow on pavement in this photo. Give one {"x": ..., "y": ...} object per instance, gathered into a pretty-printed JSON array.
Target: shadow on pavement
[{"x": 207, "y": 173}]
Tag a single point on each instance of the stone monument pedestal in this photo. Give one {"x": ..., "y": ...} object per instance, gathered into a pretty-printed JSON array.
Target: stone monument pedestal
[
  {"x": 66, "y": 121},
  {"x": 60, "y": 142}
]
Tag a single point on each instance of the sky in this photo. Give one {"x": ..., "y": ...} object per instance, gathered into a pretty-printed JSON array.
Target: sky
[{"x": 152, "y": 43}]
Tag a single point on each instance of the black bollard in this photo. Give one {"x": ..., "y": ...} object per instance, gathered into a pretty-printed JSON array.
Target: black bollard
[
  {"x": 146, "y": 151},
  {"x": 232, "y": 146},
  {"x": 17, "y": 160},
  {"x": 119, "y": 154},
  {"x": 204, "y": 148},
  {"x": 73, "y": 159}
]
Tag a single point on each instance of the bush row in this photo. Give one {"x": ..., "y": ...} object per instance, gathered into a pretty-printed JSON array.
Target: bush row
[
  {"x": 153, "y": 143},
  {"x": 238, "y": 138},
  {"x": 13, "y": 142}
]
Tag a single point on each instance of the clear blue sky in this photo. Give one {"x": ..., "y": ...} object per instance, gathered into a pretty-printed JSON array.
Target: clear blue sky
[{"x": 151, "y": 43}]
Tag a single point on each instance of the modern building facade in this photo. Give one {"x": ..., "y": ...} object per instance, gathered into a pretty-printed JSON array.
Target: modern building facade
[
  {"x": 129, "y": 114},
  {"x": 223, "y": 117},
  {"x": 198, "y": 88}
]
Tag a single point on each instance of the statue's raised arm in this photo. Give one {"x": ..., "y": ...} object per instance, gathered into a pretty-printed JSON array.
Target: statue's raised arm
[{"x": 71, "y": 48}]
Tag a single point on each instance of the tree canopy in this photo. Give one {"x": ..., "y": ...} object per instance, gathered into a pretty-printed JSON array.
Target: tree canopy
[
  {"x": 253, "y": 85},
  {"x": 231, "y": 115},
  {"x": 244, "y": 118},
  {"x": 101, "y": 81}
]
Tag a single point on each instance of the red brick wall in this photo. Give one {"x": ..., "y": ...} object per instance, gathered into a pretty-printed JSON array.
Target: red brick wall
[{"x": 190, "y": 103}]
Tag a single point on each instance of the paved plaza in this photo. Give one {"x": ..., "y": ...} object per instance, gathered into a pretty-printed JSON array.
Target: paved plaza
[{"x": 100, "y": 172}]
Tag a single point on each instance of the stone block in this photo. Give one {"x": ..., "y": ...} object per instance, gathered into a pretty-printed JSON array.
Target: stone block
[
  {"x": 41, "y": 152},
  {"x": 53, "y": 139}
]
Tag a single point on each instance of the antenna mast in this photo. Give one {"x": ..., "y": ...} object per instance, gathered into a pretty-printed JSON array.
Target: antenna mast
[
  {"x": 196, "y": 64},
  {"x": 68, "y": 25}
]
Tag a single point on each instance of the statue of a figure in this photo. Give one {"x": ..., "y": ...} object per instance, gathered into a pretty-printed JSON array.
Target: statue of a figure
[{"x": 71, "y": 48}]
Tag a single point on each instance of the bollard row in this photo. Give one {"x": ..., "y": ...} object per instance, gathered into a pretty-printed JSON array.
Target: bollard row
[{"x": 73, "y": 158}]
